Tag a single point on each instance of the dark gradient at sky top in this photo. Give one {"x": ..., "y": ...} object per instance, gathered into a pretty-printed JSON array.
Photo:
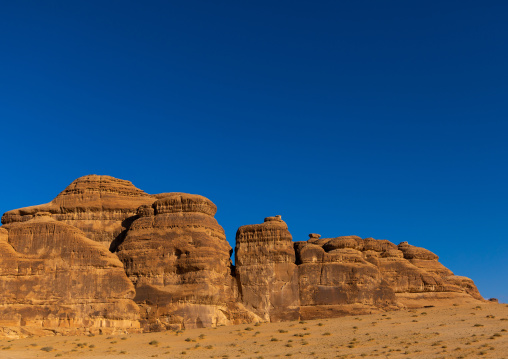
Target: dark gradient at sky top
[{"x": 384, "y": 119}]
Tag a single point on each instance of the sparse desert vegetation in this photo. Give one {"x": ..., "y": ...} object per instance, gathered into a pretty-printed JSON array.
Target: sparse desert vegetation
[{"x": 461, "y": 334}]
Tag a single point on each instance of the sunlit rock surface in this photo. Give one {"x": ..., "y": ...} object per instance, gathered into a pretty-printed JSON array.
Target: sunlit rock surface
[{"x": 106, "y": 257}]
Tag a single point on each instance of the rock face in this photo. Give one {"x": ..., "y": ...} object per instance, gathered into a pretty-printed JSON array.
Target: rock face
[
  {"x": 55, "y": 280},
  {"x": 104, "y": 256},
  {"x": 266, "y": 271},
  {"x": 336, "y": 278},
  {"x": 178, "y": 257},
  {"x": 98, "y": 205}
]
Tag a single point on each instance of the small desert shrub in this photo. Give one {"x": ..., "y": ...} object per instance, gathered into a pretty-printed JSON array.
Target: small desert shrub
[
  {"x": 154, "y": 342},
  {"x": 274, "y": 340},
  {"x": 188, "y": 339},
  {"x": 249, "y": 328},
  {"x": 327, "y": 333},
  {"x": 47, "y": 349},
  {"x": 282, "y": 331},
  {"x": 320, "y": 324},
  {"x": 478, "y": 325}
]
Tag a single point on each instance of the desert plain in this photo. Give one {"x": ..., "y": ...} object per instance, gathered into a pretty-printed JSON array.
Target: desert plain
[{"x": 465, "y": 330}]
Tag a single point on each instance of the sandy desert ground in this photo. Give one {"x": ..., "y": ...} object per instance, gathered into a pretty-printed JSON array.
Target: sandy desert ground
[{"x": 460, "y": 331}]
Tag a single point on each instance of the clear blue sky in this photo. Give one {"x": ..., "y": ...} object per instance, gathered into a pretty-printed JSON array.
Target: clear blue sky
[{"x": 384, "y": 119}]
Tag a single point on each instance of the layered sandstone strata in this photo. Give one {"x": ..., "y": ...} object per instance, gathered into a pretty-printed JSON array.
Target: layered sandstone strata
[
  {"x": 100, "y": 206},
  {"x": 177, "y": 256},
  {"x": 55, "y": 280},
  {"x": 58, "y": 276},
  {"x": 335, "y": 278},
  {"x": 266, "y": 271},
  {"x": 367, "y": 273}
]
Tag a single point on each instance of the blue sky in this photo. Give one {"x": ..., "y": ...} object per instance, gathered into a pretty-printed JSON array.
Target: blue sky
[{"x": 379, "y": 119}]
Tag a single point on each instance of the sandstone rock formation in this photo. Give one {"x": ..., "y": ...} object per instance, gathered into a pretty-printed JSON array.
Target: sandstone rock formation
[
  {"x": 266, "y": 271},
  {"x": 98, "y": 205},
  {"x": 106, "y": 256},
  {"x": 178, "y": 257},
  {"x": 336, "y": 278},
  {"x": 55, "y": 280}
]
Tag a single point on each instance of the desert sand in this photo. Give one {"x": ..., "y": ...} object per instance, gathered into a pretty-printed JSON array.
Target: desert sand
[{"x": 455, "y": 331}]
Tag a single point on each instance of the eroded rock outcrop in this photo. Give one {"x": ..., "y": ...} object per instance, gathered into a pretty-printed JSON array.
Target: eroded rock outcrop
[
  {"x": 177, "y": 256},
  {"x": 55, "y": 280},
  {"x": 100, "y": 206},
  {"x": 266, "y": 271},
  {"x": 106, "y": 256},
  {"x": 336, "y": 278}
]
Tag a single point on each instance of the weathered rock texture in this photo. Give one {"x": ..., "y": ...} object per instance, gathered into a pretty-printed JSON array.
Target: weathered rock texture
[
  {"x": 266, "y": 271},
  {"x": 55, "y": 280},
  {"x": 178, "y": 257},
  {"x": 98, "y": 205},
  {"x": 335, "y": 277},
  {"x": 106, "y": 256},
  {"x": 373, "y": 273}
]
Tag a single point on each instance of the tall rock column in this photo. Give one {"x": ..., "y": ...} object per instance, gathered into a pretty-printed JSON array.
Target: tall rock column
[{"x": 266, "y": 271}]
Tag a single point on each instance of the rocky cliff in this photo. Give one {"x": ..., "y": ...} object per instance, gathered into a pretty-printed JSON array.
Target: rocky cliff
[
  {"x": 177, "y": 256},
  {"x": 100, "y": 206},
  {"x": 266, "y": 271},
  {"x": 53, "y": 279},
  {"x": 104, "y": 256}
]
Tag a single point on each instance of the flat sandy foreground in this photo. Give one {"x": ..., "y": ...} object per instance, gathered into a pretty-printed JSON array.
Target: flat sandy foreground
[{"x": 463, "y": 331}]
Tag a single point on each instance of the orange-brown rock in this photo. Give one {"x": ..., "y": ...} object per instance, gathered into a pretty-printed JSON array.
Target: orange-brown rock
[
  {"x": 266, "y": 271},
  {"x": 98, "y": 205},
  {"x": 171, "y": 267},
  {"x": 177, "y": 256},
  {"x": 369, "y": 273},
  {"x": 335, "y": 278},
  {"x": 55, "y": 280}
]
